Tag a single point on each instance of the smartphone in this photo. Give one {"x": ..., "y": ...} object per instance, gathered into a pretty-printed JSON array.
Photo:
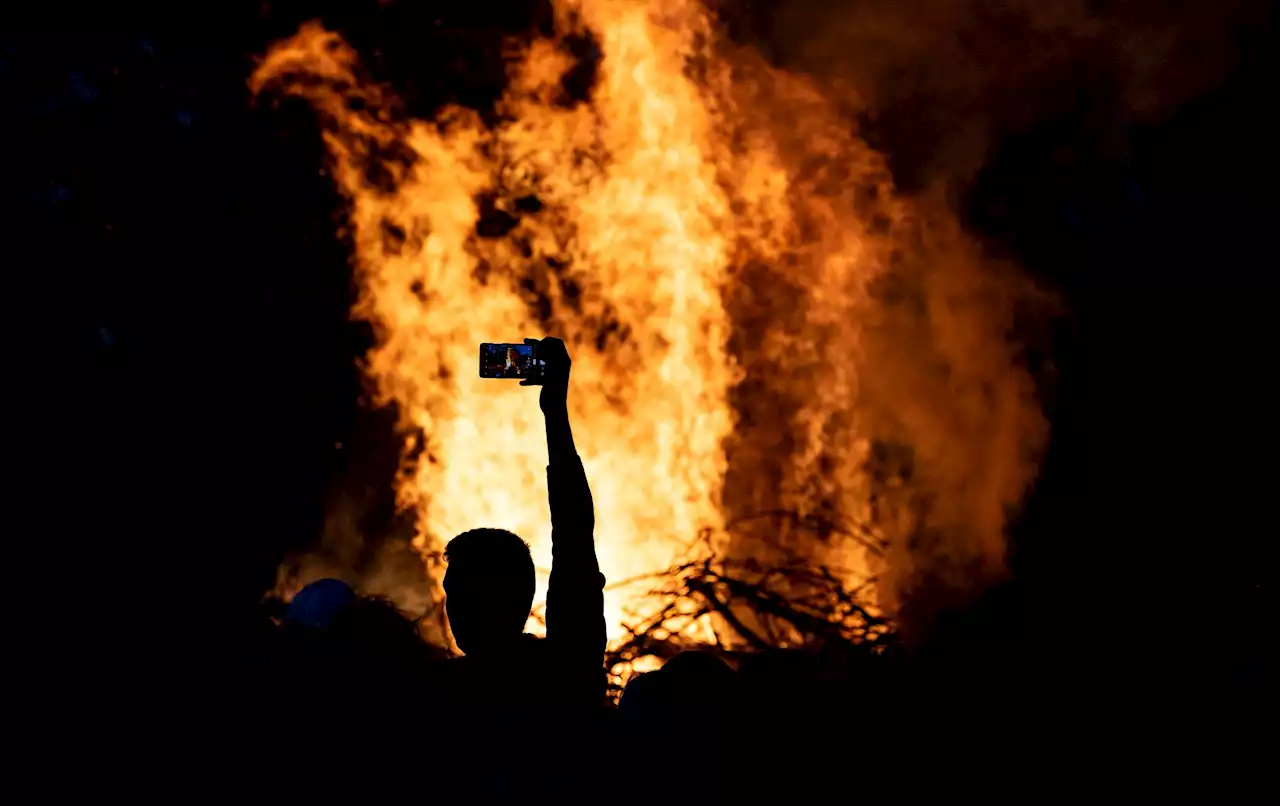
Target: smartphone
[{"x": 506, "y": 360}]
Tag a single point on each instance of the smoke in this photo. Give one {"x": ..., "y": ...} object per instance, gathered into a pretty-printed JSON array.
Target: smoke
[
  {"x": 364, "y": 540},
  {"x": 352, "y": 547},
  {"x": 940, "y": 87},
  {"x": 944, "y": 377},
  {"x": 885, "y": 389},
  {"x": 940, "y": 83}
]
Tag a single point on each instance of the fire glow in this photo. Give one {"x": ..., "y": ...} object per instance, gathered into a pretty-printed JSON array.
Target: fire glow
[{"x": 705, "y": 232}]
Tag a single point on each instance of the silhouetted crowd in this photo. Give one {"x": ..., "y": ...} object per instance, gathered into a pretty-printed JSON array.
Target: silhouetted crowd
[{"x": 365, "y": 703}]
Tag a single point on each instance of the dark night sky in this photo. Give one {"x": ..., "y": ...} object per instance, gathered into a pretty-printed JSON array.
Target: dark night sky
[{"x": 183, "y": 362}]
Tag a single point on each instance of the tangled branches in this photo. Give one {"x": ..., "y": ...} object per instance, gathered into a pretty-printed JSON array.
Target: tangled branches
[{"x": 737, "y": 604}]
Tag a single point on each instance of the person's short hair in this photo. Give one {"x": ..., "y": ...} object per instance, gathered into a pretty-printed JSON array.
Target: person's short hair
[
  {"x": 375, "y": 625},
  {"x": 498, "y": 549}
]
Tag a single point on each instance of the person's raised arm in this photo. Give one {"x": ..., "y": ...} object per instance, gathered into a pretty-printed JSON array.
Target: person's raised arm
[{"x": 575, "y": 599}]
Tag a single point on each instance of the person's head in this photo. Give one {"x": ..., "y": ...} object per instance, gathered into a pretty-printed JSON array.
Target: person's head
[
  {"x": 690, "y": 683},
  {"x": 700, "y": 673},
  {"x": 315, "y": 605},
  {"x": 373, "y": 627},
  {"x": 488, "y": 588}
]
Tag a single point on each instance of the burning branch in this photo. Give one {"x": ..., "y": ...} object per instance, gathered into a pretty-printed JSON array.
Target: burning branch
[{"x": 738, "y": 604}]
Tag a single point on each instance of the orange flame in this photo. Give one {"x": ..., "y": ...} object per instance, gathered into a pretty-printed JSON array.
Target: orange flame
[{"x": 706, "y": 237}]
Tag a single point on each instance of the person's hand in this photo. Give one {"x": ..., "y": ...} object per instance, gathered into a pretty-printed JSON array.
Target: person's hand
[{"x": 554, "y": 375}]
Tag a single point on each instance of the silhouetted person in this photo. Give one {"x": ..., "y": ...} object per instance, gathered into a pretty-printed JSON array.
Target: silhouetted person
[
  {"x": 691, "y": 683},
  {"x": 524, "y": 708},
  {"x": 694, "y": 696},
  {"x": 350, "y": 696},
  {"x": 375, "y": 633}
]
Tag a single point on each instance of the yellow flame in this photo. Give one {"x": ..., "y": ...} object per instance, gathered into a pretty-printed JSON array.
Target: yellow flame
[{"x": 705, "y": 234}]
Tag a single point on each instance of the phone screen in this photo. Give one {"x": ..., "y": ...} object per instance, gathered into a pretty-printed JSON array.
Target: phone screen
[{"x": 506, "y": 360}]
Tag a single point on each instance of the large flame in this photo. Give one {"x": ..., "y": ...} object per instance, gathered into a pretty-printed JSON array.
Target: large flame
[{"x": 705, "y": 232}]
